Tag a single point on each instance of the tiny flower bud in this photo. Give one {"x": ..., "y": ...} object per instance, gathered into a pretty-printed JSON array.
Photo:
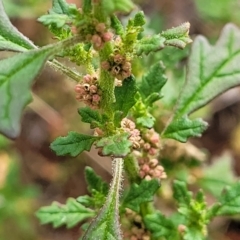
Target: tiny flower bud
[
  {"x": 93, "y": 89},
  {"x": 96, "y": 98},
  {"x": 100, "y": 27},
  {"x": 107, "y": 36}
]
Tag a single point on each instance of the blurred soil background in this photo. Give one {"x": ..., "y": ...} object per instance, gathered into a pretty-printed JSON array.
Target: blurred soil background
[{"x": 31, "y": 175}]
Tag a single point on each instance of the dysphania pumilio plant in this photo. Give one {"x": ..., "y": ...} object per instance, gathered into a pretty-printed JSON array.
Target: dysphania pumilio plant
[{"x": 122, "y": 105}]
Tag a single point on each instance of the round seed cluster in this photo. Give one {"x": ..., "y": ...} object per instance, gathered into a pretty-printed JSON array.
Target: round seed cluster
[
  {"x": 129, "y": 126},
  {"x": 118, "y": 65},
  {"x": 88, "y": 91},
  {"x": 149, "y": 169}
]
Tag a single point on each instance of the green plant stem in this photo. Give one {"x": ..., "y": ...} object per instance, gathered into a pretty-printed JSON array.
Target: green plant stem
[
  {"x": 132, "y": 169},
  {"x": 109, "y": 214},
  {"x": 70, "y": 73},
  {"x": 106, "y": 83}
]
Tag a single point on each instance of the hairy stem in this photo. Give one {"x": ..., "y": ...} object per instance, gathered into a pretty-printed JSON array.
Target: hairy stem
[{"x": 132, "y": 169}]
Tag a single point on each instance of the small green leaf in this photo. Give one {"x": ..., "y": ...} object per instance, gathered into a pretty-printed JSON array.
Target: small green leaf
[
  {"x": 92, "y": 116},
  {"x": 177, "y": 36},
  {"x": 125, "y": 96},
  {"x": 59, "y": 7},
  {"x": 160, "y": 226},
  {"x": 59, "y": 214},
  {"x": 116, "y": 145},
  {"x": 117, "y": 25},
  {"x": 181, "y": 193},
  {"x": 16, "y": 76},
  {"x": 54, "y": 19},
  {"x": 111, "y": 6},
  {"x": 230, "y": 200},
  {"x": 95, "y": 182},
  {"x": 73, "y": 144},
  {"x": 11, "y": 38},
  {"x": 139, "y": 194},
  {"x": 87, "y": 6},
  {"x": 139, "y": 19},
  {"x": 150, "y": 44},
  {"x": 146, "y": 121},
  {"x": 106, "y": 225},
  {"x": 183, "y": 128},
  {"x": 152, "y": 82}
]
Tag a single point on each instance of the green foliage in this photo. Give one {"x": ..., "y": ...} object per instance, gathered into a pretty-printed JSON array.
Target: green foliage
[
  {"x": 117, "y": 145},
  {"x": 125, "y": 98},
  {"x": 95, "y": 182},
  {"x": 147, "y": 45},
  {"x": 111, "y": 6},
  {"x": 15, "y": 84},
  {"x": 73, "y": 144},
  {"x": 161, "y": 226},
  {"x": 183, "y": 128},
  {"x": 70, "y": 214},
  {"x": 59, "y": 7},
  {"x": 209, "y": 66},
  {"x": 229, "y": 201},
  {"x": 10, "y": 37},
  {"x": 139, "y": 194},
  {"x": 96, "y": 187},
  {"x": 192, "y": 209},
  {"x": 178, "y": 36},
  {"x": 58, "y": 20},
  {"x": 93, "y": 117},
  {"x": 152, "y": 83}
]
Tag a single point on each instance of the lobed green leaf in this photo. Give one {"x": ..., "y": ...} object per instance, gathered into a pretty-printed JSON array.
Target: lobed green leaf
[
  {"x": 73, "y": 144},
  {"x": 211, "y": 71},
  {"x": 139, "y": 194},
  {"x": 70, "y": 214},
  {"x": 59, "y": 7},
  {"x": 183, "y": 128},
  {"x": 230, "y": 201},
  {"x": 152, "y": 83},
  {"x": 116, "y": 145},
  {"x": 95, "y": 182},
  {"x": 181, "y": 193},
  {"x": 92, "y": 116},
  {"x": 160, "y": 226},
  {"x": 125, "y": 96}
]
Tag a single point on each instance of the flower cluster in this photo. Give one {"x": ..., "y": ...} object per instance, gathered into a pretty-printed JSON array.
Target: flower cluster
[
  {"x": 135, "y": 227},
  {"x": 88, "y": 91},
  {"x": 149, "y": 169},
  {"x": 100, "y": 36},
  {"x": 129, "y": 126},
  {"x": 151, "y": 143},
  {"x": 119, "y": 66}
]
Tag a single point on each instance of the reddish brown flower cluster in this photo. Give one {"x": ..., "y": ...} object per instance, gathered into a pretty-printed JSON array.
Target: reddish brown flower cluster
[
  {"x": 151, "y": 142},
  {"x": 100, "y": 36},
  {"x": 137, "y": 229},
  {"x": 119, "y": 66},
  {"x": 150, "y": 169},
  {"x": 88, "y": 91},
  {"x": 129, "y": 126}
]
